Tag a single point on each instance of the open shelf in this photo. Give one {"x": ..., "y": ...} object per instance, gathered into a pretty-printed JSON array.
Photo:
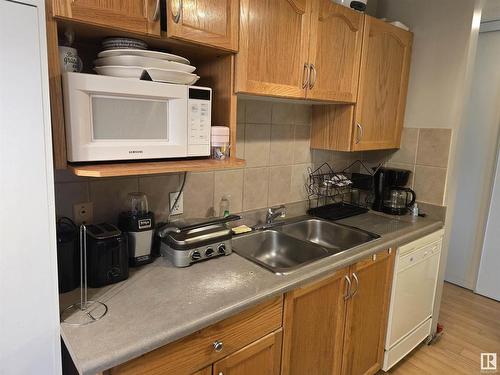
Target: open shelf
[{"x": 153, "y": 167}]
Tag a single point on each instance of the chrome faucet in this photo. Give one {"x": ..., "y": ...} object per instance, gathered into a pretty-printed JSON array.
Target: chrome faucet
[{"x": 275, "y": 212}]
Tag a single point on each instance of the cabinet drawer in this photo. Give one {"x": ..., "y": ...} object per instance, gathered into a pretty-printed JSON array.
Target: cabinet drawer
[{"x": 196, "y": 351}]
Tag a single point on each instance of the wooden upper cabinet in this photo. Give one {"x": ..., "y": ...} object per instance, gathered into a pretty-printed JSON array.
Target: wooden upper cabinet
[
  {"x": 205, "y": 371},
  {"x": 274, "y": 44},
  {"x": 137, "y": 16},
  {"x": 208, "y": 22},
  {"x": 313, "y": 325},
  {"x": 383, "y": 84},
  {"x": 262, "y": 357},
  {"x": 367, "y": 311},
  {"x": 335, "y": 52}
]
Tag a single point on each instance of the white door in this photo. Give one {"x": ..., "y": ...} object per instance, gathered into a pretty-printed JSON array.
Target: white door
[
  {"x": 488, "y": 282},
  {"x": 29, "y": 322}
]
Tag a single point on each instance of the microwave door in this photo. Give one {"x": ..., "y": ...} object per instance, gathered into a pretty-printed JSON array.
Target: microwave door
[
  {"x": 137, "y": 128},
  {"x": 110, "y": 118}
]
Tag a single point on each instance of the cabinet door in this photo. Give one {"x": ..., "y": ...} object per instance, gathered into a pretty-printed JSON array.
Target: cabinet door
[
  {"x": 205, "y": 371},
  {"x": 274, "y": 43},
  {"x": 262, "y": 357},
  {"x": 383, "y": 85},
  {"x": 209, "y": 22},
  {"x": 139, "y": 16},
  {"x": 313, "y": 327},
  {"x": 335, "y": 52},
  {"x": 367, "y": 310}
]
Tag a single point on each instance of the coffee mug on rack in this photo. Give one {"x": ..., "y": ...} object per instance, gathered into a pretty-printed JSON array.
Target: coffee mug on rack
[{"x": 69, "y": 60}]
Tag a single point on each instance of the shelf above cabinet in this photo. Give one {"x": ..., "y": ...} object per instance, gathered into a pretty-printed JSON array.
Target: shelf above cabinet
[{"x": 153, "y": 167}]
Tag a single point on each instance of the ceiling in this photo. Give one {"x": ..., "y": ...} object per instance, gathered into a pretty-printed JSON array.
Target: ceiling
[{"x": 491, "y": 11}]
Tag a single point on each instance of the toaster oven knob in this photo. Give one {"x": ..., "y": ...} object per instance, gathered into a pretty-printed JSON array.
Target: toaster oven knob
[
  {"x": 221, "y": 249},
  {"x": 195, "y": 255},
  {"x": 209, "y": 252}
]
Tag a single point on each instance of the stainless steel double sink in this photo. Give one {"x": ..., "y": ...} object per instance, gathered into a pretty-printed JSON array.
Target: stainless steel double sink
[{"x": 287, "y": 247}]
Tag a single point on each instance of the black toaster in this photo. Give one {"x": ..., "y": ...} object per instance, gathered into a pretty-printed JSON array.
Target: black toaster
[{"x": 107, "y": 255}]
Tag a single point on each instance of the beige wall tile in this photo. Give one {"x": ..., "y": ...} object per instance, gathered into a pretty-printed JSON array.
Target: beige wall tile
[
  {"x": 280, "y": 183},
  {"x": 240, "y": 141},
  {"x": 434, "y": 147},
  {"x": 109, "y": 197},
  {"x": 321, "y": 156},
  {"x": 408, "y": 150},
  {"x": 300, "y": 175},
  {"x": 199, "y": 195},
  {"x": 281, "y": 145},
  {"x": 241, "y": 111},
  {"x": 158, "y": 189},
  {"x": 303, "y": 114},
  {"x": 258, "y": 112},
  {"x": 301, "y": 147},
  {"x": 69, "y": 193},
  {"x": 256, "y": 188},
  {"x": 283, "y": 113},
  {"x": 429, "y": 184},
  {"x": 257, "y": 145},
  {"x": 229, "y": 183}
]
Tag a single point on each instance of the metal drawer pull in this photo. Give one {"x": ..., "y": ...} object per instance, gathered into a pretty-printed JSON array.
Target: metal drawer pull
[
  {"x": 360, "y": 132},
  {"x": 357, "y": 284},
  {"x": 218, "y": 346},
  {"x": 156, "y": 13},
  {"x": 306, "y": 75},
  {"x": 313, "y": 76},
  {"x": 348, "y": 291},
  {"x": 176, "y": 16}
]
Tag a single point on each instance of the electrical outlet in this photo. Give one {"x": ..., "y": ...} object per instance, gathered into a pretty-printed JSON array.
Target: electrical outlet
[
  {"x": 179, "y": 207},
  {"x": 83, "y": 213}
]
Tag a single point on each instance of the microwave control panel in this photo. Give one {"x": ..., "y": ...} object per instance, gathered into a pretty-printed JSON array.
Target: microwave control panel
[{"x": 199, "y": 121}]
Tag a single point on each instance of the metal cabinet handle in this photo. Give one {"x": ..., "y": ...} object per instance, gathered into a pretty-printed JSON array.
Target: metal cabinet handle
[
  {"x": 312, "y": 82},
  {"x": 357, "y": 284},
  {"x": 360, "y": 132},
  {"x": 348, "y": 289},
  {"x": 176, "y": 15},
  {"x": 218, "y": 346},
  {"x": 156, "y": 13},
  {"x": 306, "y": 75}
]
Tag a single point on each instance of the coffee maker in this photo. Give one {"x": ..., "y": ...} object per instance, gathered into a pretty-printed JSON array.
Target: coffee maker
[
  {"x": 137, "y": 222},
  {"x": 391, "y": 195}
]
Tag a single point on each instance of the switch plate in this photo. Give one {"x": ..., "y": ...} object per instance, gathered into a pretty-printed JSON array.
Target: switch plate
[
  {"x": 83, "y": 213},
  {"x": 179, "y": 207}
]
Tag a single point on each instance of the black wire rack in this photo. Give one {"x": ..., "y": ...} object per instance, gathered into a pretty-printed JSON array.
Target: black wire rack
[{"x": 353, "y": 184}]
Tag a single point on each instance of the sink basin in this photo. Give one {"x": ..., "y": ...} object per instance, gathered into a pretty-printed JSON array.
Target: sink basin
[
  {"x": 332, "y": 236},
  {"x": 278, "y": 252}
]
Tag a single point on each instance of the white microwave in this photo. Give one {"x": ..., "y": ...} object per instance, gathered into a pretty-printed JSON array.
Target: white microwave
[{"x": 110, "y": 118}]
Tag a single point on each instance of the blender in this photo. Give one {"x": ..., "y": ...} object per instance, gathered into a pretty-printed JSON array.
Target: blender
[{"x": 137, "y": 222}]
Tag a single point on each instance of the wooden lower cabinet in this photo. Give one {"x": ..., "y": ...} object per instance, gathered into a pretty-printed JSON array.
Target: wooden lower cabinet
[
  {"x": 367, "y": 313},
  {"x": 337, "y": 325},
  {"x": 263, "y": 357},
  {"x": 313, "y": 327}
]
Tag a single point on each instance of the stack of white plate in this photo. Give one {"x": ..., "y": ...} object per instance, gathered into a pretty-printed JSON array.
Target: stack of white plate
[{"x": 132, "y": 62}]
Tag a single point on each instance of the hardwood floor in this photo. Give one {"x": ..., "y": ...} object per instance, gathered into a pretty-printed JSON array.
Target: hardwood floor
[{"x": 471, "y": 326}]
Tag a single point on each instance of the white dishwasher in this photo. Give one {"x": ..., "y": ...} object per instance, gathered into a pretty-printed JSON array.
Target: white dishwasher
[{"x": 412, "y": 298}]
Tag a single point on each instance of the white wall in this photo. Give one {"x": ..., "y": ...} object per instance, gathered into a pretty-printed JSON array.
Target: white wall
[
  {"x": 475, "y": 163},
  {"x": 29, "y": 321}
]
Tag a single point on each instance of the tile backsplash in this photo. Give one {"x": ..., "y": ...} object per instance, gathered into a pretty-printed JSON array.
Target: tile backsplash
[{"x": 273, "y": 138}]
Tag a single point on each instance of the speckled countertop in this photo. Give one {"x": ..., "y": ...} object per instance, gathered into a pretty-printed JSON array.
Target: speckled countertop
[{"x": 159, "y": 303}]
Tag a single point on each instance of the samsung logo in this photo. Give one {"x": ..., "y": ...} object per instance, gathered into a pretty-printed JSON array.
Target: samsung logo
[{"x": 135, "y": 152}]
